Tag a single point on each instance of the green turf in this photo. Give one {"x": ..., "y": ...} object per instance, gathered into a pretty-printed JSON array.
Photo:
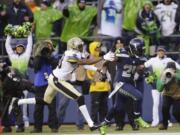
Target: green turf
[{"x": 71, "y": 129}]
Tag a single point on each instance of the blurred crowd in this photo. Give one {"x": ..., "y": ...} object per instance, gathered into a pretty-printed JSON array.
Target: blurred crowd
[{"x": 103, "y": 25}]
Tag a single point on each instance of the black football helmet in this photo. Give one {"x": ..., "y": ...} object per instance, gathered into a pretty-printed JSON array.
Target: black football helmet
[{"x": 136, "y": 47}]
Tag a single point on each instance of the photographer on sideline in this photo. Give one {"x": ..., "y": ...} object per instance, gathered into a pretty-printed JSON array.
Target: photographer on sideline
[
  {"x": 157, "y": 64},
  {"x": 169, "y": 84},
  {"x": 44, "y": 63}
]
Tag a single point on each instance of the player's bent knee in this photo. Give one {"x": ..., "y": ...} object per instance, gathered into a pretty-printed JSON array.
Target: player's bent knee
[{"x": 80, "y": 100}]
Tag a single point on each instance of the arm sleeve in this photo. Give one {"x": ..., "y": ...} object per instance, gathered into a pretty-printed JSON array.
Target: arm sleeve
[
  {"x": 148, "y": 63},
  {"x": 9, "y": 49},
  {"x": 29, "y": 45},
  {"x": 90, "y": 67}
]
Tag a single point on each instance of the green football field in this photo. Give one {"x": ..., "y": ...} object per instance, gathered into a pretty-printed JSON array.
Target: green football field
[{"x": 72, "y": 130}]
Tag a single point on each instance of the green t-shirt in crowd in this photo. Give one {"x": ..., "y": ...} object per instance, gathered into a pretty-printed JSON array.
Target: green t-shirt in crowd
[
  {"x": 78, "y": 22},
  {"x": 44, "y": 20}
]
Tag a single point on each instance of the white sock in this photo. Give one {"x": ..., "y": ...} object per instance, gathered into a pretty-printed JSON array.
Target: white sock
[
  {"x": 27, "y": 101},
  {"x": 86, "y": 115}
]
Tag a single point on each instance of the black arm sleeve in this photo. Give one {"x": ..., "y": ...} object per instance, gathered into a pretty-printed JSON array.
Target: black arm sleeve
[{"x": 139, "y": 22}]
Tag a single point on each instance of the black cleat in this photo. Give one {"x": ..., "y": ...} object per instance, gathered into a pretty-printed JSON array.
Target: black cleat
[
  {"x": 105, "y": 123},
  {"x": 163, "y": 127},
  {"x": 94, "y": 127},
  {"x": 119, "y": 128},
  {"x": 135, "y": 127},
  {"x": 36, "y": 130}
]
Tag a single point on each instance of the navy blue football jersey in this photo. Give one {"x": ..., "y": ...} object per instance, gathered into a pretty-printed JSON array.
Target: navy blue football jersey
[{"x": 126, "y": 66}]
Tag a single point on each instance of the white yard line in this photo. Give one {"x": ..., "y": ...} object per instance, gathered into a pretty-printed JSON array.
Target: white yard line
[
  {"x": 165, "y": 133},
  {"x": 178, "y": 133}
]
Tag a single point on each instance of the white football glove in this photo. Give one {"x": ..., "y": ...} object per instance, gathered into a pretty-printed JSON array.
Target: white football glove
[{"x": 110, "y": 56}]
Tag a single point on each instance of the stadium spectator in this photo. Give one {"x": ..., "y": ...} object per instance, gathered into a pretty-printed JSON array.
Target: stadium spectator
[
  {"x": 18, "y": 12},
  {"x": 148, "y": 26},
  {"x": 166, "y": 12},
  {"x": 157, "y": 65},
  {"x": 3, "y": 23},
  {"x": 32, "y": 5},
  {"x": 168, "y": 83},
  {"x": 99, "y": 85},
  {"x": 20, "y": 57},
  {"x": 43, "y": 65},
  {"x": 131, "y": 8},
  {"x": 3, "y": 19},
  {"x": 44, "y": 19},
  {"x": 80, "y": 20},
  {"x": 111, "y": 18},
  {"x": 19, "y": 60},
  {"x": 59, "y": 24},
  {"x": 62, "y": 4},
  {"x": 110, "y": 26}
]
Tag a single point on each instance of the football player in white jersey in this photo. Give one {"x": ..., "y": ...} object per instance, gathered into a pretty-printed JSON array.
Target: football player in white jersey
[{"x": 59, "y": 80}]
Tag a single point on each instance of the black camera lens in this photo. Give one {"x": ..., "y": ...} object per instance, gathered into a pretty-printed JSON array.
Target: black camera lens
[{"x": 168, "y": 75}]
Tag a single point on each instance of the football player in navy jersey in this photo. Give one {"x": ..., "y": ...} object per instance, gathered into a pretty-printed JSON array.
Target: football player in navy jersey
[{"x": 129, "y": 78}]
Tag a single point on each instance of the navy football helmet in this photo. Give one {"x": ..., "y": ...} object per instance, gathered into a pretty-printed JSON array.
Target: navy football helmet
[{"x": 136, "y": 47}]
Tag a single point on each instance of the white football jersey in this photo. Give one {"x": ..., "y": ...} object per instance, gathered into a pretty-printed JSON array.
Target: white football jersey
[
  {"x": 67, "y": 65},
  {"x": 166, "y": 15}
]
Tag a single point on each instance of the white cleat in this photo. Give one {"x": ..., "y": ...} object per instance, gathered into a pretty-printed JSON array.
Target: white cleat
[
  {"x": 154, "y": 124},
  {"x": 170, "y": 124}
]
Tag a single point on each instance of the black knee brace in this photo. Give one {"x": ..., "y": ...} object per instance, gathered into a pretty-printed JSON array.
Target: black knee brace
[
  {"x": 80, "y": 101},
  {"x": 40, "y": 101}
]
